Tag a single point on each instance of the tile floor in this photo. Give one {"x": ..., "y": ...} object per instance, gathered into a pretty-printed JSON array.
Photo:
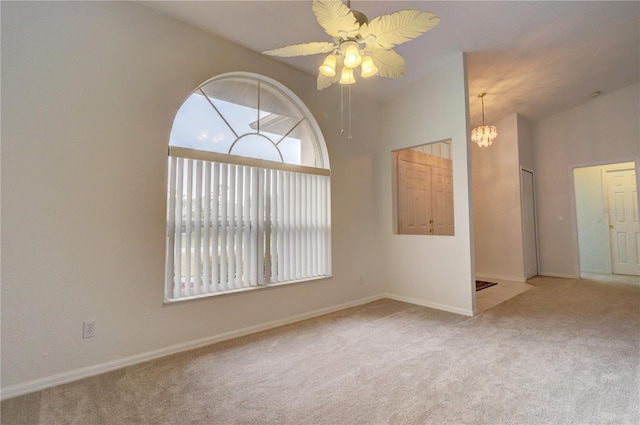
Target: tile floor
[
  {"x": 496, "y": 294},
  {"x": 504, "y": 290}
]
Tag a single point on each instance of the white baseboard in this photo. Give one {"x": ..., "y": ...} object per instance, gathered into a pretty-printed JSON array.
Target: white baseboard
[
  {"x": 429, "y": 304},
  {"x": 596, "y": 271},
  {"x": 86, "y": 372},
  {"x": 565, "y": 276},
  {"x": 501, "y": 277},
  {"x": 74, "y": 375}
]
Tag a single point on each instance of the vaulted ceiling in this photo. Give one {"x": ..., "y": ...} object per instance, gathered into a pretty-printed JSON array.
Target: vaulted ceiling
[{"x": 536, "y": 58}]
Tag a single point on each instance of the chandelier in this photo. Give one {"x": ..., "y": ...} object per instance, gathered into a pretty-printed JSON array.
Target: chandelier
[{"x": 486, "y": 134}]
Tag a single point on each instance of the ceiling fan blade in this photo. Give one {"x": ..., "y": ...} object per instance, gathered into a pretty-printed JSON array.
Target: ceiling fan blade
[
  {"x": 398, "y": 27},
  {"x": 364, "y": 32},
  {"x": 336, "y": 18},
  {"x": 302, "y": 49},
  {"x": 324, "y": 81},
  {"x": 390, "y": 64}
]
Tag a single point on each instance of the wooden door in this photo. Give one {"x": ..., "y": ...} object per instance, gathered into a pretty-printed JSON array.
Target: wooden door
[
  {"x": 442, "y": 201},
  {"x": 424, "y": 193},
  {"x": 624, "y": 226},
  {"x": 414, "y": 197}
]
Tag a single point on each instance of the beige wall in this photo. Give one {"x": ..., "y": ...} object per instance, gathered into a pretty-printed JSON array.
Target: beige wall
[
  {"x": 497, "y": 212},
  {"x": 89, "y": 92},
  {"x": 435, "y": 271},
  {"x": 497, "y": 200},
  {"x": 603, "y": 130}
]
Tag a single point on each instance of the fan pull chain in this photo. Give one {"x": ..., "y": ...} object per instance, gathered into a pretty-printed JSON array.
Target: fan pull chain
[
  {"x": 341, "y": 108},
  {"x": 349, "y": 136}
]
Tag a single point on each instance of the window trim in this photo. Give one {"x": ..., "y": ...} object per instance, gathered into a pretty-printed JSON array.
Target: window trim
[
  {"x": 245, "y": 160},
  {"x": 321, "y": 144}
]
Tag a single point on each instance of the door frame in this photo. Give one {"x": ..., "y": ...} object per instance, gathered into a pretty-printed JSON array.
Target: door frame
[
  {"x": 535, "y": 220},
  {"x": 573, "y": 209}
]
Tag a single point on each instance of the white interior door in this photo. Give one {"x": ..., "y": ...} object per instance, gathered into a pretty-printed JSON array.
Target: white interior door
[
  {"x": 624, "y": 225},
  {"x": 529, "y": 225}
]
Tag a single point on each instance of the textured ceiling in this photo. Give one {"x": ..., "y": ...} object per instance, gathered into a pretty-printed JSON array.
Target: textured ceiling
[{"x": 534, "y": 58}]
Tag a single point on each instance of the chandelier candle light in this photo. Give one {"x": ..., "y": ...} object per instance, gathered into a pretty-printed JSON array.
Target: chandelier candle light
[{"x": 486, "y": 134}]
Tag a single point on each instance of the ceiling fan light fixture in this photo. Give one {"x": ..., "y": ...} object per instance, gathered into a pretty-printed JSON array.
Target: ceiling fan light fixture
[
  {"x": 484, "y": 135},
  {"x": 328, "y": 67},
  {"x": 368, "y": 67},
  {"x": 352, "y": 58},
  {"x": 358, "y": 42},
  {"x": 346, "y": 77},
  {"x": 354, "y": 38}
]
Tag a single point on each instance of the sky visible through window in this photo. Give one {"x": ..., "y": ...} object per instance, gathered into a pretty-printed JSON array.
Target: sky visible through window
[{"x": 198, "y": 126}]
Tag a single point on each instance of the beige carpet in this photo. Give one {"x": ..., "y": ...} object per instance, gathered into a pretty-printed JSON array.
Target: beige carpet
[{"x": 564, "y": 352}]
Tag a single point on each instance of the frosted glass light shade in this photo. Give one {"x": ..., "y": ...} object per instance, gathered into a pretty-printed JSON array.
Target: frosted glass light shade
[
  {"x": 352, "y": 58},
  {"x": 347, "y": 76},
  {"x": 368, "y": 67},
  {"x": 328, "y": 67}
]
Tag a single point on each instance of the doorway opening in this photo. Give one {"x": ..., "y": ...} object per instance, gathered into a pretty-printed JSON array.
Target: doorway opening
[
  {"x": 608, "y": 226},
  {"x": 529, "y": 226}
]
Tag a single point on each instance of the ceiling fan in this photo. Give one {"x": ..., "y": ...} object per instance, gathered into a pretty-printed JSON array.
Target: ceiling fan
[{"x": 359, "y": 42}]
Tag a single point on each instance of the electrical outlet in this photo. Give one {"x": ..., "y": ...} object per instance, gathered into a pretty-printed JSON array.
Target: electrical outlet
[
  {"x": 89, "y": 329},
  {"x": 361, "y": 279}
]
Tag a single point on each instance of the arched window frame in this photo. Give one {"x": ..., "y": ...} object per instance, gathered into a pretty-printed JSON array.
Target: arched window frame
[{"x": 273, "y": 216}]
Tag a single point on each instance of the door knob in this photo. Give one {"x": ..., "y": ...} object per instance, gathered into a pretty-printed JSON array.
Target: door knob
[{"x": 611, "y": 226}]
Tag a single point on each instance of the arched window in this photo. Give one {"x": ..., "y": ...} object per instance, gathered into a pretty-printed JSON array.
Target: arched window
[{"x": 248, "y": 190}]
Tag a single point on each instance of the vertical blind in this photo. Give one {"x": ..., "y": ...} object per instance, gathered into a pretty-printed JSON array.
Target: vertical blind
[{"x": 234, "y": 226}]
